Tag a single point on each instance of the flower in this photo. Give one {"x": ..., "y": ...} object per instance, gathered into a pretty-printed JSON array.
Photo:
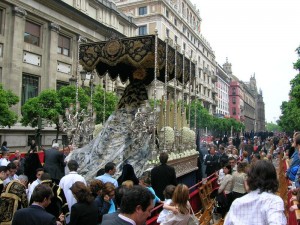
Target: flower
[{"x": 169, "y": 135}]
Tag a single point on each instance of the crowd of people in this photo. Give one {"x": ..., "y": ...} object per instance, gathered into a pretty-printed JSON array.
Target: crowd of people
[{"x": 57, "y": 194}]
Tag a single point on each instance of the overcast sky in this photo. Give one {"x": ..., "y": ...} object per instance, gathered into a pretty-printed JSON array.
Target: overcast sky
[{"x": 257, "y": 36}]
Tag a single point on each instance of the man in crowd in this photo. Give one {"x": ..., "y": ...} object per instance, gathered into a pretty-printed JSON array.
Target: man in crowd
[
  {"x": 261, "y": 205},
  {"x": 135, "y": 208},
  {"x": 3, "y": 176},
  {"x": 39, "y": 173},
  {"x": 67, "y": 181},
  {"x": 233, "y": 164},
  {"x": 162, "y": 175},
  {"x": 12, "y": 169},
  {"x": 13, "y": 198},
  {"x": 21, "y": 162},
  {"x": 36, "y": 214},
  {"x": 54, "y": 163},
  {"x": 211, "y": 161},
  {"x": 110, "y": 170}
]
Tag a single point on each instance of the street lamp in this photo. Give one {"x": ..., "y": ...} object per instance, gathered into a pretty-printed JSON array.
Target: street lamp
[{"x": 83, "y": 75}]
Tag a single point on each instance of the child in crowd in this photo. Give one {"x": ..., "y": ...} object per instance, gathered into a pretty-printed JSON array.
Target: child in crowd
[
  {"x": 145, "y": 181},
  {"x": 168, "y": 193},
  {"x": 180, "y": 207}
]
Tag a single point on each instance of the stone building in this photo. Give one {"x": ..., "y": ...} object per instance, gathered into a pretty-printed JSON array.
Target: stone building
[
  {"x": 245, "y": 103},
  {"x": 39, "y": 49},
  {"x": 223, "y": 84},
  {"x": 178, "y": 21}
]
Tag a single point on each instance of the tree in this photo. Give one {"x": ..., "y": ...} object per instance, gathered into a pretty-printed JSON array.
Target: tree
[
  {"x": 290, "y": 110},
  {"x": 203, "y": 118},
  {"x": 111, "y": 101},
  {"x": 67, "y": 95},
  {"x": 45, "y": 106},
  {"x": 271, "y": 127},
  {"x": 7, "y": 99}
]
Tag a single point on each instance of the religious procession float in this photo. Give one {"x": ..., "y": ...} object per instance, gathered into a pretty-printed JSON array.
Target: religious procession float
[{"x": 137, "y": 131}]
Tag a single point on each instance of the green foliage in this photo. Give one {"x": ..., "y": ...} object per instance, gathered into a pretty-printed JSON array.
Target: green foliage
[
  {"x": 46, "y": 106},
  {"x": 271, "y": 127},
  {"x": 217, "y": 125},
  {"x": 203, "y": 118},
  {"x": 67, "y": 95},
  {"x": 7, "y": 99},
  {"x": 111, "y": 101},
  {"x": 289, "y": 121}
]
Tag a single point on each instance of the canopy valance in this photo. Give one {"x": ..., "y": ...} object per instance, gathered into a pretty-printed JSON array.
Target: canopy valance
[{"x": 120, "y": 57}]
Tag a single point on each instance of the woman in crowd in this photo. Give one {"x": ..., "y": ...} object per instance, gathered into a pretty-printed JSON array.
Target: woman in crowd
[
  {"x": 105, "y": 202},
  {"x": 128, "y": 174},
  {"x": 85, "y": 210},
  {"x": 224, "y": 192},
  {"x": 239, "y": 181}
]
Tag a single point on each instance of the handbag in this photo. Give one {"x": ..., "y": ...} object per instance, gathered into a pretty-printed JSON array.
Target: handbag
[{"x": 193, "y": 220}]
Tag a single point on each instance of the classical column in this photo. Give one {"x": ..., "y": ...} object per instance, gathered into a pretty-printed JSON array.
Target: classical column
[
  {"x": 50, "y": 58},
  {"x": 16, "y": 52}
]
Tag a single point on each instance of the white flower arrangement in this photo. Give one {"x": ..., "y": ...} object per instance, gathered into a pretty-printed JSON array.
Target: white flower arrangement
[
  {"x": 98, "y": 128},
  {"x": 185, "y": 131},
  {"x": 169, "y": 135},
  {"x": 192, "y": 136}
]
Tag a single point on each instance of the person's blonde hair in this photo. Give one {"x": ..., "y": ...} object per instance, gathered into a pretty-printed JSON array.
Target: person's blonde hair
[
  {"x": 127, "y": 183},
  {"x": 180, "y": 198}
]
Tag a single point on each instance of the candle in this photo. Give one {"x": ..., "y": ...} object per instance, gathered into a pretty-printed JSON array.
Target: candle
[{"x": 60, "y": 118}]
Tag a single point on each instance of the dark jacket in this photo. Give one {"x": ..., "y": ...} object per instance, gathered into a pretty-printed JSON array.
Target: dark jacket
[
  {"x": 161, "y": 176},
  {"x": 54, "y": 163},
  {"x": 212, "y": 164},
  {"x": 33, "y": 215},
  {"x": 84, "y": 214}
]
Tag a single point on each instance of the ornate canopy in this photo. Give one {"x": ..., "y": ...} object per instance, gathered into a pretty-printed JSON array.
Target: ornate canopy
[{"x": 120, "y": 57}]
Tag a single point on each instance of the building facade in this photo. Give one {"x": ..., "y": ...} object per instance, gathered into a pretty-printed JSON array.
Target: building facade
[
  {"x": 39, "y": 48},
  {"x": 223, "y": 84},
  {"x": 178, "y": 21},
  {"x": 249, "y": 109}
]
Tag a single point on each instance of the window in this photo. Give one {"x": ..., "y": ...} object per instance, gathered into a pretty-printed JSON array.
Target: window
[
  {"x": 143, "y": 30},
  {"x": 32, "y": 33},
  {"x": 183, "y": 46},
  {"x": 1, "y": 20},
  {"x": 233, "y": 91},
  {"x": 167, "y": 32},
  {"x": 167, "y": 13},
  {"x": 175, "y": 21},
  {"x": 30, "y": 87},
  {"x": 176, "y": 39},
  {"x": 234, "y": 111},
  {"x": 63, "y": 45},
  {"x": 60, "y": 84},
  {"x": 233, "y": 100},
  {"x": 143, "y": 10},
  {"x": 1, "y": 50}
]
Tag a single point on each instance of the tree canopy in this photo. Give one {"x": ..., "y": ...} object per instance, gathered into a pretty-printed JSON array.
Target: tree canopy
[
  {"x": 7, "y": 100},
  {"x": 290, "y": 110}
]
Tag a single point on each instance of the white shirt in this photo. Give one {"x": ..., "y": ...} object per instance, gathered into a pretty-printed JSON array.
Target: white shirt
[
  {"x": 256, "y": 209},
  {"x": 9, "y": 179},
  {"x": 32, "y": 187},
  {"x": 4, "y": 162},
  {"x": 66, "y": 182}
]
